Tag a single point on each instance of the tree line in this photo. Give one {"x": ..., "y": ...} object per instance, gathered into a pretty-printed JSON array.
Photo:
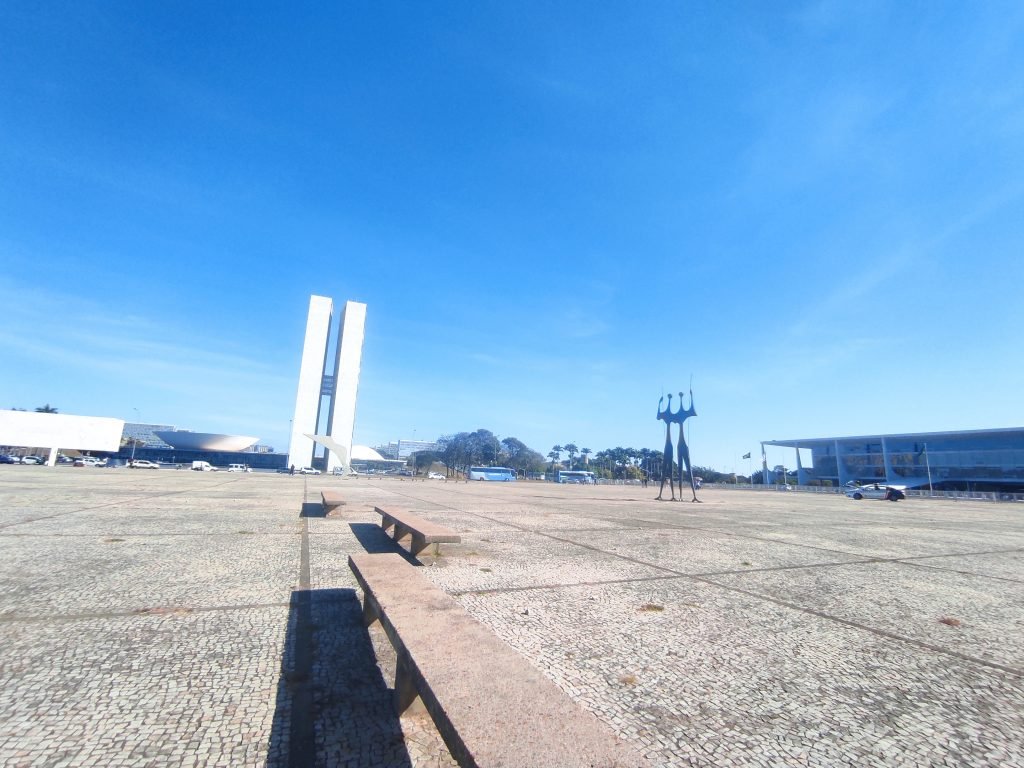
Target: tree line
[{"x": 462, "y": 450}]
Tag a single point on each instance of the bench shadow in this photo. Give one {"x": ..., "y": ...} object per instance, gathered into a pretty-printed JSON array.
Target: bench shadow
[
  {"x": 375, "y": 541},
  {"x": 312, "y": 509},
  {"x": 333, "y": 706}
]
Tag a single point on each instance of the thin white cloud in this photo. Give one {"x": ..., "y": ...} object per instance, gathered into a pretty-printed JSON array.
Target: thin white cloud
[{"x": 91, "y": 346}]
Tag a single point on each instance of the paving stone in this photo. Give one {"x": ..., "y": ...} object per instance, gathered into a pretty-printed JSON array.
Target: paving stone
[{"x": 180, "y": 618}]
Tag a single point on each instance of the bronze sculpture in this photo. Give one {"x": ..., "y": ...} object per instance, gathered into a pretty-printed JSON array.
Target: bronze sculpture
[
  {"x": 683, "y": 452},
  {"x": 666, "y": 457}
]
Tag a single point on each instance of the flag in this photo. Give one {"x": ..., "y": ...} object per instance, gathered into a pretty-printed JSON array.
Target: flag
[{"x": 746, "y": 455}]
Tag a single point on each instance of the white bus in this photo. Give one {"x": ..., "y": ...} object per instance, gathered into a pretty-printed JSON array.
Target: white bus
[
  {"x": 499, "y": 474},
  {"x": 575, "y": 476}
]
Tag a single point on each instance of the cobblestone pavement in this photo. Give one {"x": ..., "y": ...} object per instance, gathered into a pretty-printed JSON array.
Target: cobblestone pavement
[{"x": 158, "y": 618}]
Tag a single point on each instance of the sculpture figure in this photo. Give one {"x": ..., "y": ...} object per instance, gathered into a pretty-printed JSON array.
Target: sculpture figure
[
  {"x": 683, "y": 451},
  {"x": 666, "y": 459}
]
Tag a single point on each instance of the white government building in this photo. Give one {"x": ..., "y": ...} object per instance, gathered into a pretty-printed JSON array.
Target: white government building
[{"x": 325, "y": 409}]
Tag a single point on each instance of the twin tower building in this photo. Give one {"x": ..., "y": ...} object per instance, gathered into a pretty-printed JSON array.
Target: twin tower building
[{"x": 318, "y": 389}]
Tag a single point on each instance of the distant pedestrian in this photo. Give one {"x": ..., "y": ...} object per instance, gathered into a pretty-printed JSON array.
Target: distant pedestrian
[{"x": 292, "y": 470}]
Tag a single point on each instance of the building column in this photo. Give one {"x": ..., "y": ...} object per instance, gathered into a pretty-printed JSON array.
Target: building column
[
  {"x": 310, "y": 387},
  {"x": 844, "y": 476},
  {"x": 347, "y": 363},
  {"x": 801, "y": 473}
]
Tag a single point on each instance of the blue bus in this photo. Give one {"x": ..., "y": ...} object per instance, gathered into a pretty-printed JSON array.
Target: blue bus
[{"x": 499, "y": 474}]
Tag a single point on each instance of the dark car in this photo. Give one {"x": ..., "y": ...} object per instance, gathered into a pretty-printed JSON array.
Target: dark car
[{"x": 5, "y": 459}]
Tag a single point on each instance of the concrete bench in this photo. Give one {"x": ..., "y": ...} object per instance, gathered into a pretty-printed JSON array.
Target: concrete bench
[
  {"x": 423, "y": 532},
  {"x": 492, "y": 707},
  {"x": 331, "y": 500}
]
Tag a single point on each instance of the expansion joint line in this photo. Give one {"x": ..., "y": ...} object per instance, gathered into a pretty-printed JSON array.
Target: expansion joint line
[
  {"x": 132, "y": 500},
  {"x": 302, "y": 733},
  {"x": 759, "y": 596},
  {"x": 155, "y": 611}
]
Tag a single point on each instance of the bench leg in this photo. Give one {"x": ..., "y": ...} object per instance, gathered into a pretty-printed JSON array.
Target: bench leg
[
  {"x": 407, "y": 699},
  {"x": 418, "y": 545},
  {"x": 400, "y": 532},
  {"x": 386, "y": 522},
  {"x": 370, "y": 611}
]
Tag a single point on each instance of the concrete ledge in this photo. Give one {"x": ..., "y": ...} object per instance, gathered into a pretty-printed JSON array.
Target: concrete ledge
[
  {"x": 331, "y": 500},
  {"x": 492, "y": 707},
  {"x": 422, "y": 531}
]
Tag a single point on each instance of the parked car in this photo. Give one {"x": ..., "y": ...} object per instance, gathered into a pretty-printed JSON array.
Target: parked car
[
  {"x": 284, "y": 471},
  {"x": 143, "y": 464},
  {"x": 306, "y": 471},
  {"x": 435, "y": 476},
  {"x": 33, "y": 460},
  {"x": 238, "y": 468},
  {"x": 5, "y": 459},
  {"x": 876, "y": 491}
]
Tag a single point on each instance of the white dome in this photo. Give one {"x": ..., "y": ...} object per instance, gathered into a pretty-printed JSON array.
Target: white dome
[
  {"x": 204, "y": 441},
  {"x": 364, "y": 453}
]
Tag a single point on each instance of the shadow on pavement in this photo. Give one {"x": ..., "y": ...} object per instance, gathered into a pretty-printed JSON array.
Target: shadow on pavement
[
  {"x": 313, "y": 509},
  {"x": 375, "y": 541},
  {"x": 333, "y": 706}
]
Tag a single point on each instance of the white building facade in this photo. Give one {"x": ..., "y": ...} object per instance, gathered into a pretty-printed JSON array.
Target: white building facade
[
  {"x": 54, "y": 431},
  {"x": 336, "y": 392}
]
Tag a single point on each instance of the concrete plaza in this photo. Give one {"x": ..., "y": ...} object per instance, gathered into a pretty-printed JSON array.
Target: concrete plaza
[{"x": 158, "y": 618}]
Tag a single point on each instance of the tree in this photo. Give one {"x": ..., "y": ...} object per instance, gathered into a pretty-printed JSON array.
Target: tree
[
  {"x": 422, "y": 460},
  {"x": 585, "y": 453},
  {"x": 449, "y": 450},
  {"x": 46, "y": 409},
  {"x": 513, "y": 449},
  {"x": 709, "y": 475},
  {"x": 482, "y": 447},
  {"x": 572, "y": 450},
  {"x": 485, "y": 448},
  {"x": 531, "y": 461},
  {"x": 555, "y": 456},
  {"x": 520, "y": 457}
]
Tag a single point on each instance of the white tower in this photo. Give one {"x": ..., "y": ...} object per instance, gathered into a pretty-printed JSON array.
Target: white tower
[{"x": 315, "y": 384}]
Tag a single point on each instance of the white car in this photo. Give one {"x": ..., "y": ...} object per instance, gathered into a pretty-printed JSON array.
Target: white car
[
  {"x": 238, "y": 468},
  {"x": 877, "y": 491},
  {"x": 435, "y": 476},
  {"x": 306, "y": 471},
  {"x": 143, "y": 464}
]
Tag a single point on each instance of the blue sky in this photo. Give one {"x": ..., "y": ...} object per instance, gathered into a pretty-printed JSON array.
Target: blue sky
[{"x": 555, "y": 212}]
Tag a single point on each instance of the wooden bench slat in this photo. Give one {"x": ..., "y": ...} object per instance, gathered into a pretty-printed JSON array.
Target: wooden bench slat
[{"x": 491, "y": 706}]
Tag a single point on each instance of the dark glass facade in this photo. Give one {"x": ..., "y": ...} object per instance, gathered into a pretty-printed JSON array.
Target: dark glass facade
[{"x": 971, "y": 460}]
